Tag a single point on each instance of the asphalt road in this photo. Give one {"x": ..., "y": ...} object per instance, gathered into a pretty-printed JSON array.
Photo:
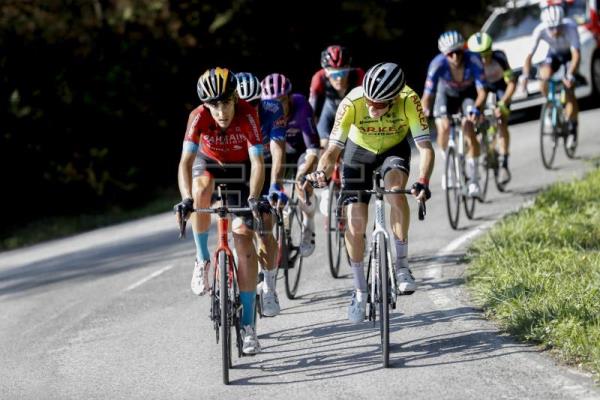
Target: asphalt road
[{"x": 109, "y": 315}]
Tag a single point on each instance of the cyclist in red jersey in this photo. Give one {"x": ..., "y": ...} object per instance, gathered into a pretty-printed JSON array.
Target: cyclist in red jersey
[
  {"x": 223, "y": 143},
  {"x": 328, "y": 87},
  {"x": 330, "y": 84}
]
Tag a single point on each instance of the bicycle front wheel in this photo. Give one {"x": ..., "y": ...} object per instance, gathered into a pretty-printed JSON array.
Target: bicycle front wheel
[
  {"x": 548, "y": 135},
  {"x": 293, "y": 266},
  {"x": 384, "y": 305},
  {"x": 225, "y": 327},
  {"x": 335, "y": 231},
  {"x": 452, "y": 185}
]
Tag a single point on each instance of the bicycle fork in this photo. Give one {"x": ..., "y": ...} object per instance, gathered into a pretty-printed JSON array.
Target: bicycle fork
[{"x": 379, "y": 233}]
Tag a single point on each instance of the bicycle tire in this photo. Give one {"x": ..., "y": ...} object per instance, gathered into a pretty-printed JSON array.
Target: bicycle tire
[
  {"x": 453, "y": 190},
  {"x": 225, "y": 331},
  {"x": 292, "y": 254},
  {"x": 384, "y": 305},
  {"x": 335, "y": 236},
  {"x": 548, "y": 136}
]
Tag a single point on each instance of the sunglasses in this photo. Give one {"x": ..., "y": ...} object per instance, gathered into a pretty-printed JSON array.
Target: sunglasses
[
  {"x": 338, "y": 73},
  {"x": 378, "y": 105}
]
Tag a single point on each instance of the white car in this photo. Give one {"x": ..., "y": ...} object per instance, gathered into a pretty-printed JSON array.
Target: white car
[{"x": 511, "y": 28}]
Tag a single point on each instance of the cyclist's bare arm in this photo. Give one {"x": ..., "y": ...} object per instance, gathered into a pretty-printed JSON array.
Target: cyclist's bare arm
[
  {"x": 328, "y": 159},
  {"x": 426, "y": 102},
  {"x": 257, "y": 174},
  {"x": 526, "y": 69},
  {"x": 184, "y": 174},
  {"x": 426, "y": 160},
  {"x": 310, "y": 163},
  {"x": 575, "y": 59},
  {"x": 511, "y": 86},
  {"x": 481, "y": 96},
  {"x": 277, "y": 160}
]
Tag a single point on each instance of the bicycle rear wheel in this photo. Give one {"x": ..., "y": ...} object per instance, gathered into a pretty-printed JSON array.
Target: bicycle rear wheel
[
  {"x": 293, "y": 258},
  {"x": 548, "y": 135},
  {"x": 335, "y": 231},
  {"x": 453, "y": 189},
  {"x": 384, "y": 305},
  {"x": 225, "y": 331}
]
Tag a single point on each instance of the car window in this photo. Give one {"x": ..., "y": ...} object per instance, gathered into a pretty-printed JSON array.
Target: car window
[
  {"x": 516, "y": 22},
  {"x": 577, "y": 11}
]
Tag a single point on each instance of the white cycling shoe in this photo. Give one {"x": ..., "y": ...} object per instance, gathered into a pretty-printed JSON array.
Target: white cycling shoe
[
  {"x": 406, "y": 281},
  {"x": 250, "y": 343},
  {"x": 358, "y": 307},
  {"x": 200, "y": 282},
  {"x": 269, "y": 303}
]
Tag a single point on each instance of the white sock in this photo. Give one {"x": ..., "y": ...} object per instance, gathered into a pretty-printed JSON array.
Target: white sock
[
  {"x": 270, "y": 279},
  {"x": 401, "y": 254},
  {"x": 358, "y": 275}
]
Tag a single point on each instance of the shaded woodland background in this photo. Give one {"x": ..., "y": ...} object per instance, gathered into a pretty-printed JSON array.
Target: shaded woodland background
[{"x": 95, "y": 94}]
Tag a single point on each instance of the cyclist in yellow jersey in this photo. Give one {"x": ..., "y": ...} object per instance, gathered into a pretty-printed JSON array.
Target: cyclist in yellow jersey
[{"x": 372, "y": 126}]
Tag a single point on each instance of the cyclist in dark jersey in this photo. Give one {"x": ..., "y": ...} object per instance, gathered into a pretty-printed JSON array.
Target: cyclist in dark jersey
[
  {"x": 502, "y": 82},
  {"x": 223, "y": 143}
]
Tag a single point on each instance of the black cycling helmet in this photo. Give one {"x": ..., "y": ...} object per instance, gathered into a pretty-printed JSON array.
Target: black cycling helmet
[
  {"x": 216, "y": 84},
  {"x": 383, "y": 81}
]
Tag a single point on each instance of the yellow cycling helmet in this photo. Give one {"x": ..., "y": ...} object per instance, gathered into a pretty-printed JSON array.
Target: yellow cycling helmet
[{"x": 480, "y": 42}]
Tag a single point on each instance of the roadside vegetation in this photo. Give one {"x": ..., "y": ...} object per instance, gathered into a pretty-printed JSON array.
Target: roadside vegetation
[{"x": 538, "y": 272}]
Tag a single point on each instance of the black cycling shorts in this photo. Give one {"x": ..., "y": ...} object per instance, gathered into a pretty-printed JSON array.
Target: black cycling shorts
[{"x": 358, "y": 166}]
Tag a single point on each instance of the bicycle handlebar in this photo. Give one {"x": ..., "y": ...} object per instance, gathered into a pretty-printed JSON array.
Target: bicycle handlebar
[{"x": 300, "y": 181}]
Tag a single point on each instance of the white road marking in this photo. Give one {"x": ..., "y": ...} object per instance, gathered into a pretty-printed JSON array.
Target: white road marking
[{"x": 147, "y": 278}]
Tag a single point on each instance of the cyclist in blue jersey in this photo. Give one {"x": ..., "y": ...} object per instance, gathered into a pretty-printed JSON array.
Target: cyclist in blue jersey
[
  {"x": 270, "y": 116},
  {"x": 457, "y": 80},
  {"x": 300, "y": 144}
]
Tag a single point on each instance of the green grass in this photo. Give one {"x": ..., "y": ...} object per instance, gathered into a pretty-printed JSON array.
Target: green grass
[
  {"x": 538, "y": 272},
  {"x": 54, "y": 227}
]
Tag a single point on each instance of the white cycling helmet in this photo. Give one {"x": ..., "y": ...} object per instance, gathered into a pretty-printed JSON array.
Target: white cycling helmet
[
  {"x": 552, "y": 16},
  {"x": 383, "y": 82},
  {"x": 451, "y": 41},
  {"x": 248, "y": 86}
]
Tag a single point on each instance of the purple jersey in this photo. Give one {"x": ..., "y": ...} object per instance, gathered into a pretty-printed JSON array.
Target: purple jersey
[
  {"x": 300, "y": 131},
  {"x": 439, "y": 69}
]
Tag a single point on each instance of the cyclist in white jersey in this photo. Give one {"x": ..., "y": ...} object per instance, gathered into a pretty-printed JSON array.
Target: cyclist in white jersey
[{"x": 563, "y": 39}]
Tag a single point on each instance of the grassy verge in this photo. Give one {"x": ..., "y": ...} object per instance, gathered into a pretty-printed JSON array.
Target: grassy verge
[
  {"x": 538, "y": 272},
  {"x": 54, "y": 227}
]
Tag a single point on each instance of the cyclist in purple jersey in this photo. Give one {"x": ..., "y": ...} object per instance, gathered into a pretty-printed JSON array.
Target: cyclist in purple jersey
[
  {"x": 457, "y": 79},
  {"x": 301, "y": 148}
]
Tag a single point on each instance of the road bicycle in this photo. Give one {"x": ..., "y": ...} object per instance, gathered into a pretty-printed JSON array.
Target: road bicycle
[
  {"x": 289, "y": 238},
  {"x": 381, "y": 277},
  {"x": 489, "y": 134},
  {"x": 554, "y": 124},
  {"x": 225, "y": 305},
  {"x": 455, "y": 176}
]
